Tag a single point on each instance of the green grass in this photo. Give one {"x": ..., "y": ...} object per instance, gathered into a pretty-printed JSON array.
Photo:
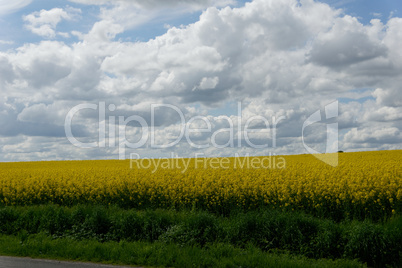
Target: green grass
[
  {"x": 155, "y": 254},
  {"x": 260, "y": 231}
]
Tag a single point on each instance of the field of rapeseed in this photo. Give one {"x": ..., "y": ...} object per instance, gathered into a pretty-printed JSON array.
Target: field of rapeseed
[
  {"x": 363, "y": 185},
  {"x": 295, "y": 205}
]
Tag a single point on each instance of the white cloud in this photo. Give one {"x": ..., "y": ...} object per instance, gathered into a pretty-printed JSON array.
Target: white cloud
[
  {"x": 376, "y": 14},
  {"x": 133, "y": 13},
  {"x": 41, "y": 113},
  {"x": 6, "y": 42},
  {"x": 104, "y": 31},
  {"x": 271, "y": 55},
  {"x": 387, "y": 135},
  {"x": 7, "y": 7},
  {"x": 384, "y": 114},
  {"x": 44, "y": 22},
  {"x": 390, "y": 96},
  {"x": 346, "y": 43},
  {"x": 157, "y": 4},
  {"x": 208, "y": 82}
]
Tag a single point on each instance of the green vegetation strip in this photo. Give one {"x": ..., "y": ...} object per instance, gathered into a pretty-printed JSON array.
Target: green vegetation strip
[
  {"x": 175, "y": 238},
  {"x": 155, "y": 254}
]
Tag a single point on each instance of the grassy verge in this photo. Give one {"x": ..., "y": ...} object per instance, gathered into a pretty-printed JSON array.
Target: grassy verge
[
  {"x": 377, "y": 244},
  {"x": 155, "y": 254}
]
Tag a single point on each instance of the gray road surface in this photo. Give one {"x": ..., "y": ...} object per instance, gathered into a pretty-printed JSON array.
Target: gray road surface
[{"x": 15, "y": 262}]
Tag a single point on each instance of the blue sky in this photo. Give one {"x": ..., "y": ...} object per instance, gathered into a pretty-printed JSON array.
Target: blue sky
[
  {"x": 278, "y": 59},
  {"x": 13, "y": 30},
  {"x": 366, "y": 10}
]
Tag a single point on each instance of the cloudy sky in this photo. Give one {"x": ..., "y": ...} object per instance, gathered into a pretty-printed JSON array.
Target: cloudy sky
[{"x": 212, "y": 77}]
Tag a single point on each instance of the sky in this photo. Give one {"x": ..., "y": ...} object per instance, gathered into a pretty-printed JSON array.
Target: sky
[{"x": 86, "y": 79}]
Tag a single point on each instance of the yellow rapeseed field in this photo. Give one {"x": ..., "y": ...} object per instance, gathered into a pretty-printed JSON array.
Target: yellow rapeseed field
[{"x": 363, "y": 184}]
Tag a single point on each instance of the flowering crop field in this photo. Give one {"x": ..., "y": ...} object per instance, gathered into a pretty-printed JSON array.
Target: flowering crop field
[{"x": 363, "y": 185}]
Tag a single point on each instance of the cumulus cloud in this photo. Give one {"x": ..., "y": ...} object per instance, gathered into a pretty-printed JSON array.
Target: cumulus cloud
[
  {"x": 388, "y": 135},
  {"x": 130, "y": 14},
  {"x": 390, "y": 96},
  {"x": 347, "y": 43},
  {"x": 44, "y": 22},
  {"x": 160, "y": 3},
  {"x": 7, "y": 7},
  {"x": 272, "y": 56},
  {"x": 6, "y": 42}
]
